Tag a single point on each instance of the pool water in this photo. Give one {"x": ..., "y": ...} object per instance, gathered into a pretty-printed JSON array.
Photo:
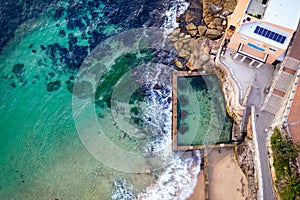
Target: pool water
[{"x": 202, "y": 116}]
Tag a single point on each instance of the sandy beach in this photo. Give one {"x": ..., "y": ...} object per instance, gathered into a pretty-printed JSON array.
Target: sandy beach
[
  {"x": 225, "y": 177},
  {"x": 199, "y": 191}
]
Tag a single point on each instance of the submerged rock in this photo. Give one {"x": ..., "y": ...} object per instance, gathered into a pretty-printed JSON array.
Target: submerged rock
[
  {"x": 18, "y": 70},
  {"x": 184, "y": 114},
  {"x": 59, "y": 13},
  {"x": 157, "y": 87},
  {"x": 12, "y": 84},
  {"x": 53, "y": 86},
  {"x": 62, "y": 33}
]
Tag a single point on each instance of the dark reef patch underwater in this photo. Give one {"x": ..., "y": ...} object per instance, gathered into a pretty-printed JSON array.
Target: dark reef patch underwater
[
  {"x": 42, "y": 46},
  {"x": 77, "y": 27}
]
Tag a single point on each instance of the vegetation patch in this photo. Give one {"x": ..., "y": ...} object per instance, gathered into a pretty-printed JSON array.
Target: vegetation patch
[
  {"x": 284, "y": 153},
  {"x": 253, "y": 15}
]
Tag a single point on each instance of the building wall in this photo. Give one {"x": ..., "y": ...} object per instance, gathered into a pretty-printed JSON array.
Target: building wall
[{"x": 238, "y": 39}]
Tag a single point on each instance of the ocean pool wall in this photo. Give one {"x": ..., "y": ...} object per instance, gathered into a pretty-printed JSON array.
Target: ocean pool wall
[{"x": 199, "y": 116}]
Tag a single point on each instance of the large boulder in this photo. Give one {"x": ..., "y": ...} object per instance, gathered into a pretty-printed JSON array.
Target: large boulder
[
  {"x": 213, "y": 33},
  {"x": 178, "y": 64},
  {"x": 176, "y": 32},
  {"x": 220, "y": 28},
  {"x": 208, "y": 19},
  {"x": 218, "y": 21},
  {"x": 193, "y": 33},
  {"x": 211, "y": 25},
  {"x": 178, "y": 45},
  {"x": 172, "y": 38},
  {"x": 191, "y": 28},
  {"x": 226, "y": 13},
  {"x": 184, "y": 54},
  {"x": 213, "y": 9},
  {"x": 202, "y": 30}
]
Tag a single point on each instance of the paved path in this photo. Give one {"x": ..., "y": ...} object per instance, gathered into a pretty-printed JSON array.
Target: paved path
[
  {"x": 247, "y": 75},
  {"x": 259, "y": 79},
  {"x": 264, "y": 121}
]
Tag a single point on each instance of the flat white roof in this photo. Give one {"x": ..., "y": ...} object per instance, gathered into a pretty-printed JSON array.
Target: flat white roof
[
  {"x": 284, "y": 13},
  {"x": 248, "y": 30}
]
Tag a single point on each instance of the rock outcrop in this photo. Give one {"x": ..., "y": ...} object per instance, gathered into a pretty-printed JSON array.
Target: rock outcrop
[
  {"x": 245, "y": 156},
  {"x": 196, "y": 52},
  {"x": 213, "y": 33},
  {"x": 211, "y": 14},
  {"x": 191, "y": 28},
  {"x": 215, "y": 13},
  {"x": 197, "y": 39}
]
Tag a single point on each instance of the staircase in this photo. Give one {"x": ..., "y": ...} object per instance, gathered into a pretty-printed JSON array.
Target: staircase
[
  {"x": 292, "y": 63},
  {"x": 283, "y": 83},
  {"x": 274, "y": 103}
]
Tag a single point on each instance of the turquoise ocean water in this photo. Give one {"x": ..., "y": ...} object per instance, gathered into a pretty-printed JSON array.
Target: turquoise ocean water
[
  {"x": 43, "y": 45},
  {"x": 41, "y": 154}
]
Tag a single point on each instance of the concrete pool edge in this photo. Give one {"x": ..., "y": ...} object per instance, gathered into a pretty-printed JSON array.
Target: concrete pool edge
[{"x": 175, "y": 146}]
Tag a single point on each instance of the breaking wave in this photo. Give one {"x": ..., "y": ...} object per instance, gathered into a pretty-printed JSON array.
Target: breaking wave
[
  {"x": 180, "y": 178},
  {"x": 177, "y": 182}
]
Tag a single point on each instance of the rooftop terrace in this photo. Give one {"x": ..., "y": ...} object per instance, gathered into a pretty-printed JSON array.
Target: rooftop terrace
[
  {"x": 256, "y": 8},
  {"x": 280, "y": 12}
]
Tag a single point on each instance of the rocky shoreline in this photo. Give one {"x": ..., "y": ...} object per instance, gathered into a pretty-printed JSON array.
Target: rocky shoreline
[
  {"x": 197, "y": 41},
  {"x": 198, "y": 37}
]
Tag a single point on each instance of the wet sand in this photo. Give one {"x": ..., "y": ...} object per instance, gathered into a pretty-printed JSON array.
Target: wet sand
[{"x": 199, "y": 191}]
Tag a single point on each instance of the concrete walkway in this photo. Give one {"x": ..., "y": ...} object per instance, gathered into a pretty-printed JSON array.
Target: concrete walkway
[
  {"x": 248, "y": 76},
  {"x": 263, "y": 122},
  {"x": 252, "y": 82}
]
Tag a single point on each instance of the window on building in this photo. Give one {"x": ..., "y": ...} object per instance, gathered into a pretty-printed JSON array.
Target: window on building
[{"x": 243, "y": 37}]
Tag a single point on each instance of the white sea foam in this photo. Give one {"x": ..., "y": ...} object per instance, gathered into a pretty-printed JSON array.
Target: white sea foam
[
  {"x": 123, "y": 191},
  {"x": 161, "y": 112},
  {"x": 180, "y": 178},
  {"x": 176, "y": 9},
  {"x": 177, "y": 182}
]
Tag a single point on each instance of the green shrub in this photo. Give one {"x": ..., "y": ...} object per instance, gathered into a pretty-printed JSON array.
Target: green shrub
[{"x": 284, "y": 151}]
